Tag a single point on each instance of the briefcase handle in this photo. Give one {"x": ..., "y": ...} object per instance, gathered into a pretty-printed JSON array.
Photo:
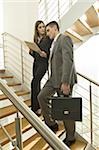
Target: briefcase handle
[{"x": 61, "y": 94}]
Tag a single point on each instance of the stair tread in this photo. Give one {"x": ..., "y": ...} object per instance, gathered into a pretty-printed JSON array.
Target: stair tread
[
  {"x": 12, "y": 82},
  {"x": 19, "y": 93},
  {"x": 2, "y": 70},
  {"x": 26, "y": 126},
  {"x": 39, "y": 142},
  {"x": 5, "y": 74},
  {"x": 31, "y": 141},
  {"x": 9, "y": 110},
  {"x": 11, "y": 130},
  {"x": 78, "y": 145}
]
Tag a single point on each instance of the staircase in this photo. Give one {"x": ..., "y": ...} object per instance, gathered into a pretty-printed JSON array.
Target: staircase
[
  {"x": 80, "y": 31},
  {"x": 8, "y": 114},
  {"x": 85, "y": 26}
]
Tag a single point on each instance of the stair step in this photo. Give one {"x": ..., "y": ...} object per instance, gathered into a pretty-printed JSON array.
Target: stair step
[
  {"x": 9, "y": 110},
  {"x": 39, "y": 144},
  {"x": 2, "y": 70},
  {"x": 13, "y": 84},
  {"x": 12, "y": 81},
  {"x": 78, "y": 145},
  {"x": 5, "y": 74},
  {"x": 36, "y": 142},
  {"x": 18, "y": 93},
  {"x": 26, "y": 126},
  {"x": 11, "y": 130},
  {"x": 28, "y": 144},
  {"x": 42, "y": 145},
  {"x": 59, "y": 133}
]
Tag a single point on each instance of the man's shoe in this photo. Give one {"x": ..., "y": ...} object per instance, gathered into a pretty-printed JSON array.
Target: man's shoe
[
  {"x": 54, "y": 128},
  {"x": 69, "y": 143},
  {"x": 37, "y": 112}
]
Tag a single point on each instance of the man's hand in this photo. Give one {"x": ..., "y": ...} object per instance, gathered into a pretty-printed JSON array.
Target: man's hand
[
  {"x": 65, "y": 88},
  {"x": 43, "y": 54}
]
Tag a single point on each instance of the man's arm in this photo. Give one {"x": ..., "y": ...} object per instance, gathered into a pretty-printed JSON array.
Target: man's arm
[{"x": 67, "y": 57}]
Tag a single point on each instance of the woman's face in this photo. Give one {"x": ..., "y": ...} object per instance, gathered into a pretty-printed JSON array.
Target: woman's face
[{"x": 41, "y": 29}]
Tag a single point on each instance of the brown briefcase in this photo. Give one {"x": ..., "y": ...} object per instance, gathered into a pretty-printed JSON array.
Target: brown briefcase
[{"x": 65, "y": 108}]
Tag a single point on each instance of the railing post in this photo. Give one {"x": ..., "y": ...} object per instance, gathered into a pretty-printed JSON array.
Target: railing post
[
  {"x": 59, "y": 13},
  {"x": 1, "y": 147},
  {"x": 9, "y": 137},
  {"x": 70, "y": 3},
  {"x": 18, "y": 124},
  {"x": 91, "y": 125},
  {"x": 22, "y": 64},
  {"x": 3, "y": 49}
]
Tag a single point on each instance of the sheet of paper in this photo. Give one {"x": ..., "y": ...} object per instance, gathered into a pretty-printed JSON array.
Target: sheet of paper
[{"x": 33, "y": 46}]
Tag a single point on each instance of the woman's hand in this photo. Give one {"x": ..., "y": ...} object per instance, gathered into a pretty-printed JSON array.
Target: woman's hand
[{"x": 43, "y": 54}]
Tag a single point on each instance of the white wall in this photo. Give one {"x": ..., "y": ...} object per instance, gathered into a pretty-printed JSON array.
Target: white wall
[
  {"x": 87, "y": 58},
  {"x": 1, "y": 17},
  {"x": 1, "y": 30},
  {"x": 19, "y": 17}
]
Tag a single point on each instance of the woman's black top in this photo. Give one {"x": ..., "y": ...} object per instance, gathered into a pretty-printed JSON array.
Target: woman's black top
[{"x": 44, "y": 45}]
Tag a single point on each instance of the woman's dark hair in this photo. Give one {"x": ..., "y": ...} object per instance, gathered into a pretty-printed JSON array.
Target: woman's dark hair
[
  {"x": 53, "y": 23},
  {"x": 36, "y": 34}
]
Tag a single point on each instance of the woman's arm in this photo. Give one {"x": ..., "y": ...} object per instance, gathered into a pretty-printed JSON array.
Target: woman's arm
[
  {"x": 45, "y": 45},
  {"x": 32, "y": 53}
]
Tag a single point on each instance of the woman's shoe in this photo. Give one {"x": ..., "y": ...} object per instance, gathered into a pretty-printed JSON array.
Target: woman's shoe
[{"x": 54, "y": 127}]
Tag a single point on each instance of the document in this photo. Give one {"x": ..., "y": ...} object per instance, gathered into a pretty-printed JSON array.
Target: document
[{"x": 33, "y": 46}]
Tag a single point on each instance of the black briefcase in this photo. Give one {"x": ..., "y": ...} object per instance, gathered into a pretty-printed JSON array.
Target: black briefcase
[{"x": 65, "y": 108}]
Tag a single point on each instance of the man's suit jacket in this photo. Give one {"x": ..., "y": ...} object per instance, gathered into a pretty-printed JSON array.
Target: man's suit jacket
[{"x": 62, "y": 63}]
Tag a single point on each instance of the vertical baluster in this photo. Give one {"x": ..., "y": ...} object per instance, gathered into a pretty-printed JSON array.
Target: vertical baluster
[
  {"x": 18, "y": 123},
  {"x": 4, "y": 49},
  {"x": 91, "y": 125},
  {"x": 22, "y": 64},
  {"x": 70, "y": 3}
]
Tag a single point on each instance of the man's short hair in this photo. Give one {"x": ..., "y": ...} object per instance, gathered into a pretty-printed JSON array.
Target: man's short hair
[{"x": 52, "y": 23}]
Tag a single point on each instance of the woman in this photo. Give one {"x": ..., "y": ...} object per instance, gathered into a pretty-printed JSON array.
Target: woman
[{"x": 40, "y": 65}]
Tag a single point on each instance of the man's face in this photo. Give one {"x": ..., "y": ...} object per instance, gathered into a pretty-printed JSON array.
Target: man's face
[{"x": 50, "y": 31}]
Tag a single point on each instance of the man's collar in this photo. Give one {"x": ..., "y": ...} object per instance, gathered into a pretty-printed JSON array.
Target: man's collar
[{"x": 56, "y": 37}]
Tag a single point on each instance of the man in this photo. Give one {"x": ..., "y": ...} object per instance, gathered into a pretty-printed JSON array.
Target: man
[{"x": 60, "y": 79}]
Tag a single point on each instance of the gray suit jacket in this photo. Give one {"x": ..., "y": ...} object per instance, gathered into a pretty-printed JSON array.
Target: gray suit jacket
[{"x": 62, "y": 69}]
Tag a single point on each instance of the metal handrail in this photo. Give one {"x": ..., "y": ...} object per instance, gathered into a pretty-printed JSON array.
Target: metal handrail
[
  {"x": 22, "y": 60},
  {"x": 90, "y": 80},
  {"x": 5, "y": 33},
  {"x": 90, "y": 100},
  {"x": 22, "y": 42},
  {"x": 1, "y": 45},
  {"x": 22, "y": 51},
  {"x": 33, "y": 119}
]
